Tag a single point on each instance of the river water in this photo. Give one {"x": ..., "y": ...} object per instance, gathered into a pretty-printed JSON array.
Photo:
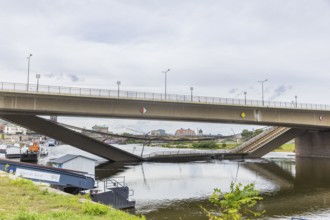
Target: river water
[{"x": 290, "y": 187}]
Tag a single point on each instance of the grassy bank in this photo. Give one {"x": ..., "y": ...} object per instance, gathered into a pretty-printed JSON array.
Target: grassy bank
[
  {"x": 201, "y": 145},
  {"x": 211, "y": 145},
  {"x": 286, "y": 148},
  {"x": 21, "y": 199}
]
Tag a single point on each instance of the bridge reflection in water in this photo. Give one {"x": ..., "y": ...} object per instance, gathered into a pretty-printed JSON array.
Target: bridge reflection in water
[{"x": 173, "y": 190}]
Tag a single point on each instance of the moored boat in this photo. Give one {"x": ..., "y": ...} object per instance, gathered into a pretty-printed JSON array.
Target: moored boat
[
  {"x": 30, "y": 157},
  {"x": 3, "y": 148},
  {"x": 31, "y": 153},
  {"x": 13, "y": 151}
]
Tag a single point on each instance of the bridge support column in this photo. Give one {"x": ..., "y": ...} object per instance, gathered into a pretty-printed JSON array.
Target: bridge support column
[{"x": 313, "y": 144}]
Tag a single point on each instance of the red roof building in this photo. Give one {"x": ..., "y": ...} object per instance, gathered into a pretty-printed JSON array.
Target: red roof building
[{"x": 185, "y": 132}]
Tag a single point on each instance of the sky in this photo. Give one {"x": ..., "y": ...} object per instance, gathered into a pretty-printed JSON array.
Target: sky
[{"x": 220, "y": 48}]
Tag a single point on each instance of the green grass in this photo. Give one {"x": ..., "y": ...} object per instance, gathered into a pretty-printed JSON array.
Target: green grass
[
  {"x": 290, "y": 147},
  {"x": 202, "y": 145},
  {"x": 286, "y": 148},
  {"x": 23, "y": 200}
]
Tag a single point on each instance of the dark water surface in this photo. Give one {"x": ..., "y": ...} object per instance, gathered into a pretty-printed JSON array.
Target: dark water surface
[{"x": 291, "y": 187}]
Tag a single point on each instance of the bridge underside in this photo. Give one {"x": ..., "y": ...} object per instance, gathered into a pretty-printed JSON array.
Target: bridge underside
[{"x": 78, "y": 140}]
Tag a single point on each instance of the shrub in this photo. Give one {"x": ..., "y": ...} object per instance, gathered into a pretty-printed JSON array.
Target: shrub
[
  {"x": 236, "y": 203},
  {"x": 205, "y": 145}
]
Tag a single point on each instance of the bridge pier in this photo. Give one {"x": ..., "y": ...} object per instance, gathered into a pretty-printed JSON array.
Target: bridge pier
[{"x": 313, "y": 144}]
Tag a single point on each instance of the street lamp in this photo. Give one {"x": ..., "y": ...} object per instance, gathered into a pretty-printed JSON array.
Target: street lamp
[
  {"x": 38, "y": 77},
  {"x": 165, "y": 80},
  {"x": 296, "y": 97},
  {"x": 245, "y": 97},
  {"x": 262, "y": 90},
  {"x": 28, "y": 78},
  {"x": 191, "y": 90},
  {"x": 118, "y": 84}
]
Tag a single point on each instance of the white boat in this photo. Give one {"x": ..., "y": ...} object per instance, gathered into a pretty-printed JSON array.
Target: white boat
[
  {"x": 43, "y": 151},
  {"x": 13, "y": 151},
  {"x": 3, "y": 148},
  {"x": 51, "y": 142}
]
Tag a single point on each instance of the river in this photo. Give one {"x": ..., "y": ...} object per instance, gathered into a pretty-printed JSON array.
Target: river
[{"x": 290, "y": 187}]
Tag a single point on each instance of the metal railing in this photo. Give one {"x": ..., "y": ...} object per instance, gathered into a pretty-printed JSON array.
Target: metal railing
[
  {"x": 265, "y": 132},
  {"x": 122, "y": 94},
  {"x": 118, "y": 181}
]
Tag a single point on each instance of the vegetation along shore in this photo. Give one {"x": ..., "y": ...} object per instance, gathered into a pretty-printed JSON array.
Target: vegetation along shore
[{"x": 23, "y": 199}]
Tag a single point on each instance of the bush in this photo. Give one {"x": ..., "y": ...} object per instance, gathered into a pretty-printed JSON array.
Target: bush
[
  {"x": 236, "y": 203},
  {"x": 205, "y": 145}
]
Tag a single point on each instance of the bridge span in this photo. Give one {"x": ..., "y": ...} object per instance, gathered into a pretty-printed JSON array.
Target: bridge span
[
  {"x": 71, "y": 101},
  {"x": 18, "y": 99}
]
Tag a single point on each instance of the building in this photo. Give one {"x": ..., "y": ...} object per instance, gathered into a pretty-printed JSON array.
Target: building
[
  {"x": 75, "y": 162},
  {"x": 100, "y": 128},
  {"x": 14, "y": 129},
  {"x": 159, "y": 132},
  {"x": 2, "y": 128},
  {"x": 185, "y": 132}
]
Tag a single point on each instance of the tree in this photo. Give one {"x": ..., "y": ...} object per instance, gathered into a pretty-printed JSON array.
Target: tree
[
  {"x": 256, "y": 132},
  {"x": 235, "y": 204},
  {"x": 246, "y": 134}
]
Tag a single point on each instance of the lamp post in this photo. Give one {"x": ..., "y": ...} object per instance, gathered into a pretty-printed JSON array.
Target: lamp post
[
  {"x": 245, "y": 97},
  {"x": 262, "y": 90},
  {"x": 118, "y": 84},
  {"x": 28, "y": 78},
  {"x": 296, "y": 97},
  {"x": 191, "y": 90},
  {"x": 38, "y": 77},
  {"x": 165, "y": 80}
]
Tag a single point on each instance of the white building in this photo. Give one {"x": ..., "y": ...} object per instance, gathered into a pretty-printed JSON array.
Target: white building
[
  {"x": 75, "y": 162},
  {"x": 14, "y": 129}
]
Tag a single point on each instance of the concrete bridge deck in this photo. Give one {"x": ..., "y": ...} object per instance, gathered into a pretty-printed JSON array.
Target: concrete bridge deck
[
  {"x": 20, "y": 100},
  {"x": 70, "y": 101}
]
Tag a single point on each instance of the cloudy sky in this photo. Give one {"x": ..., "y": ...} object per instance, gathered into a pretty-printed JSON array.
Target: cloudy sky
[{"x": 219, "y": 47}]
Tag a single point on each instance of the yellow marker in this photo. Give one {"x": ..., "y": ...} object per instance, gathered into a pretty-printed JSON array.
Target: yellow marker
[{"x": 243, "y": 115}]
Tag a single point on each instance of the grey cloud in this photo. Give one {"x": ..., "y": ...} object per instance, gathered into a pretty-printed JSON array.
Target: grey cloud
[
  {"x": 232, "y": 91},
  {"x": 61, "y": 76},
  {"x": 73, "y": 78},
  {"x": 279, "y": 91}
]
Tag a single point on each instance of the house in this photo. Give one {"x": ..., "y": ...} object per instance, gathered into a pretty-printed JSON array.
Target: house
[
  {"x": 99, "y": 128},
  {"x": 185, "y": 132},
  {"x": 14, "y": 129},
  {"x": 2, "y": 128},
  {"x": 159, "y": 132},
  {"x": 75, "y": 162}
]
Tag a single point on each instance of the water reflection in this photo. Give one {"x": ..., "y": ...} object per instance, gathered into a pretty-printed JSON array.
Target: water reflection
[
  {"x": 177, "y": 190},
  {"x": 290, "y": 187}
]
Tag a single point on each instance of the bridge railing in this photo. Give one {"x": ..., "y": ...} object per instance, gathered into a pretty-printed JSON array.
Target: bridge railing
[{"x": 94, "y": 92}]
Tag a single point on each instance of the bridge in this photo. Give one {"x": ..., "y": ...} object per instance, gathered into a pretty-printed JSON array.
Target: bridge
[{"x": 20, "y": 104}]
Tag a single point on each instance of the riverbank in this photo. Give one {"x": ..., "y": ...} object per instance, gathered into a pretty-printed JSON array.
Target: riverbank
[
  {"x": 211, "y": 145},
  {"x": 290, "y": 147},
  {"x": 24, "y": 199}
]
